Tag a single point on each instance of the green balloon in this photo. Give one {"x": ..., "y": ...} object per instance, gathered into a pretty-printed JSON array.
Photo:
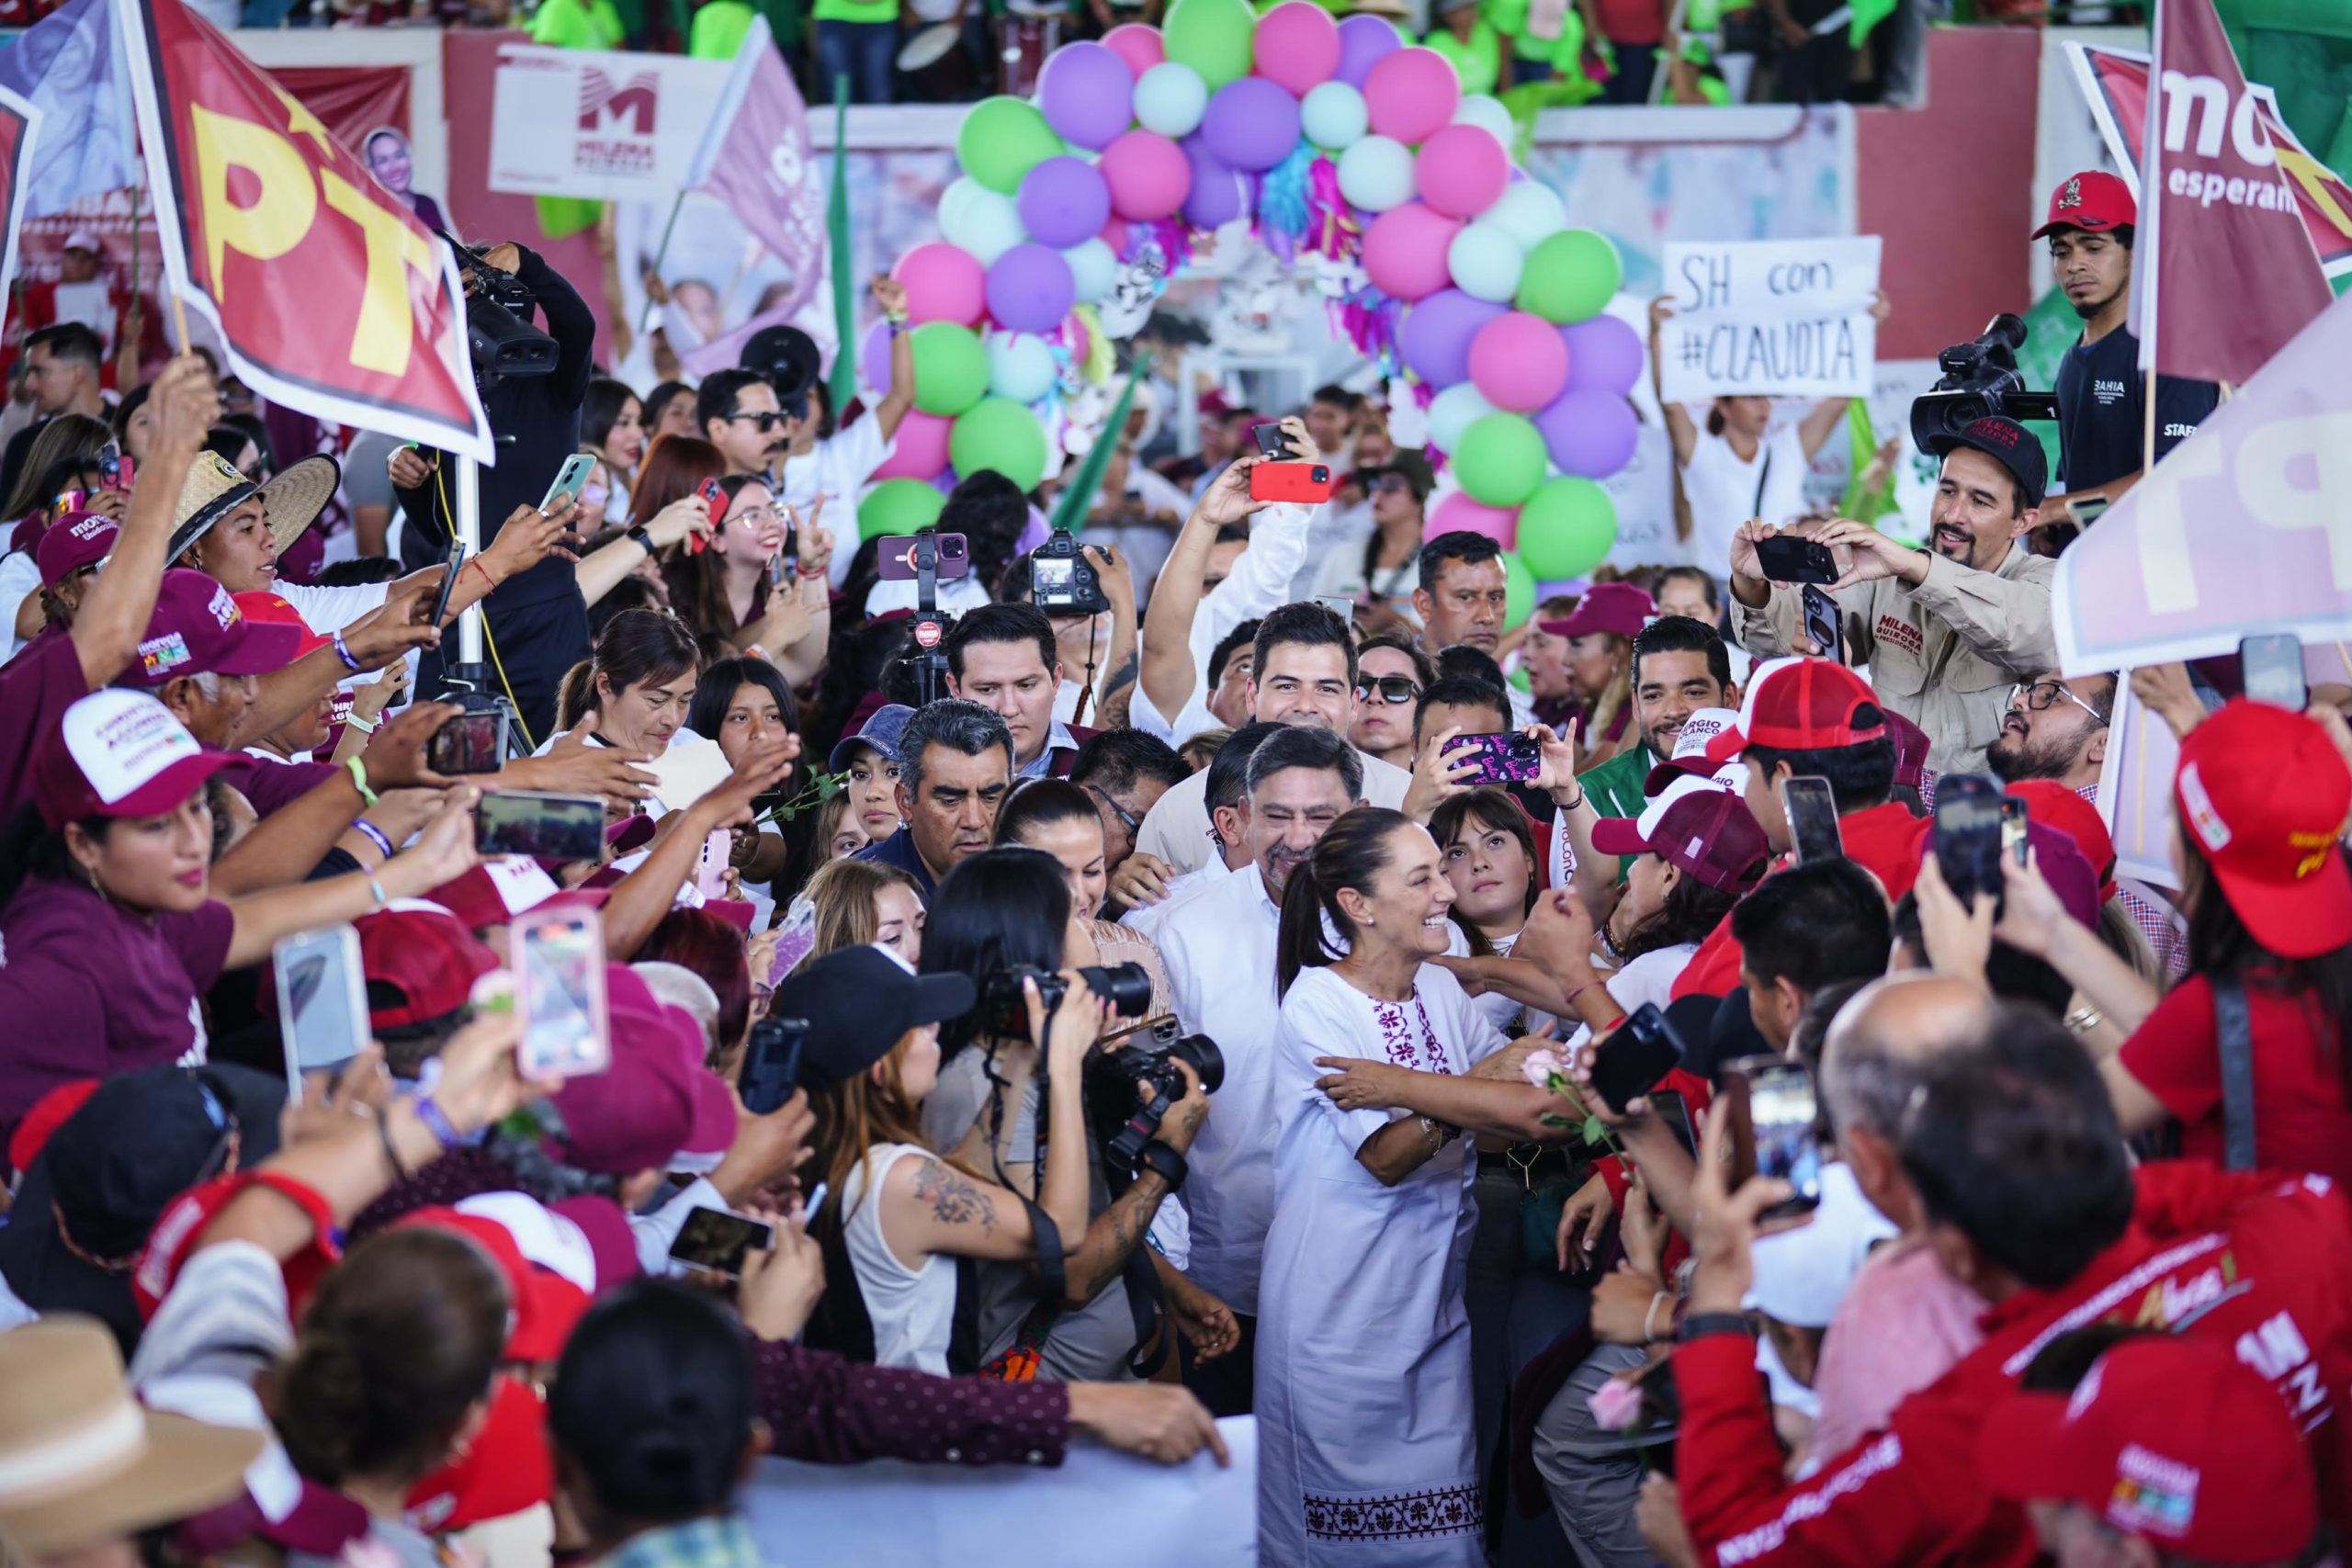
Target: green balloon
[
  {"x": 1570, "y": 277},
  {"x": 1003, "y": 138},
  {"x": 1567, "y": 528},
  {"x": 951, "y": 367},
  {"x": 1213, "y": 37},
  {"x": 899, "y": 506},
  {"x": 998, "y": 434},
  {"x": 1501, "y": 458},
  {"x": 1519, "y": 602}
]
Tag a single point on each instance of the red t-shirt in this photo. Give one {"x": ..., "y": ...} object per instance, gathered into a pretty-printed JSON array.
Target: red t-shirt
[
  {"x": 1883, "y": 840},
  {"x": 2301, "y": 1121}
]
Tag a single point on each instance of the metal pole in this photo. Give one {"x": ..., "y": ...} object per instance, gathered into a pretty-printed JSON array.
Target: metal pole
[{"x": 467, "y": 527}]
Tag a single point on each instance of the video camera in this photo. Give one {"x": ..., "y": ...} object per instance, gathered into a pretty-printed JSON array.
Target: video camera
[
  {"x": 1980, "y": 379},
  {"x": 499, "y": 332}
]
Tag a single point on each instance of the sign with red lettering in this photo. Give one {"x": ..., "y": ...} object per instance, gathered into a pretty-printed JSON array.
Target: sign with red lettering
[{"x": 330, "y": 295}]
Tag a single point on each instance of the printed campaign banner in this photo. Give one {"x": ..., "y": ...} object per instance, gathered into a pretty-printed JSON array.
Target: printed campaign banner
[
  {"x": 1778, "y": 318},
  {"x": 603, "y": 124}
]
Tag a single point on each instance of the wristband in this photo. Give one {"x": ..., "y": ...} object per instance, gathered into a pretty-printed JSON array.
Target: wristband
[
  {"x": 364, "y": 725},
  {"x": 374, "y": 835},
  {"x": 1571, "y": 804},
  {"x": 377, "y": 888},
  {"x": 1699, "y": 1325},
  {"x": 360, "y": 781},
  {"x": 1165, "y": 1161},
  {"x": 343, "y": 651},
  {"x": 474, "y": 562},
  {"x": 1649, "y": 1319},
  {"x": 641, "y": 539},
  {"x": 435, "y": 1121}
]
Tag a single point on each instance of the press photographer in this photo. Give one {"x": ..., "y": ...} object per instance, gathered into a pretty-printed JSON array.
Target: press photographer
[{"x": 532, "y": 385}]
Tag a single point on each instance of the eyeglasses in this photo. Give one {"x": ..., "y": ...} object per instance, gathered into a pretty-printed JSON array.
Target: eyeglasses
[
  {"x": 1127, "y": 820},
  {"x": 1394, "y": 690},
  {"x": 1389, "y": 484},
  {"x": 765, "y": 420},
  {"x": 764, "y": 513},
  {"x": 2039, "y": 695}
]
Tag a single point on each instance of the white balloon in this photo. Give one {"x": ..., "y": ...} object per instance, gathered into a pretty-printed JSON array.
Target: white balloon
[
  {"x": 1488, "y": 113},
  {"x": 1528, "y": 211},
  {"x": 1020, "y": 366},
  {"x": 1093, "y": 268},
  {"x": 1332, "y": 115},
  {"x": 1376, "y": 173},
  {"x": 984, "y": 222},
  {"x": 1170, "y": 97},
  {"x": 1453, "y": 411},
  {"x": 1486, "y": 260}
]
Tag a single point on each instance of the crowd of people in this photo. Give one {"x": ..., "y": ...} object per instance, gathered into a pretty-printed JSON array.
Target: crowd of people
[{"x": 1636, "y": 1084}]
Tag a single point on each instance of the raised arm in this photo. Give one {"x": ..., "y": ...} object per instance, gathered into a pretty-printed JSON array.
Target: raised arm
[
  {"x": 1678, "y": 428},
  {"x": 285, "y": 846},
  {"x": 891, "y": 295},
  {"x": 637, "y": 902},
  {"x": 1169, "y": 670},
  {"x": 114, "y": 614}
]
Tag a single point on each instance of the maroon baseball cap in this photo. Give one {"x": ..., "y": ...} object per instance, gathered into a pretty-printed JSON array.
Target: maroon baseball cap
[
  {"x": 1800, "y": 705},
  {"x": 2091, "y": 201},
  {"x": 421, "y": 962},
  {"x": 657, "y": 1102},
  {"x": 73, "y": 541},
  {"x": 1698, "y": 825},
  {"x": 1617, "y": 607},
  {"x": 118, "y": 753},
  {"x": 197, "y": 628},
  {"x": 1911, "y": 748}
]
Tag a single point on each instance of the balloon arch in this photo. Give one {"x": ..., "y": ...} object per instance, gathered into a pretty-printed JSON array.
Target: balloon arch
[{"x": 1350, "y": 153}]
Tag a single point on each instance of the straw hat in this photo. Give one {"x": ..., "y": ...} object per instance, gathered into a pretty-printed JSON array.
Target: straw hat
[
  {"x": 292, "y": 500},
  {"x": 80, "y": 1461}
]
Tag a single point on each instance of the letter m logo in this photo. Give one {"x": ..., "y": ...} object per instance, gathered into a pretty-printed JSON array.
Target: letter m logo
[{"x": 604, "y": 106}]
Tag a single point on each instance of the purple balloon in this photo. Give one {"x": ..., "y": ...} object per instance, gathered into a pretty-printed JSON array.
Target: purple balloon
[
  {"x": 1218, "y": 194},
  {"x": 1363, "y": 40},
  {"x": 1252, "y": 124},
  {"x": 1087, "y": 94},
  {"x": 874, "y": 357},
  {"x": 1031, "y": 290},
  {"x": 1435, "y": 336},
  {"x": 1604, "y": 356},
  {"x": 1591, "y": 434},
  {"x": 1063, "y": 201}
]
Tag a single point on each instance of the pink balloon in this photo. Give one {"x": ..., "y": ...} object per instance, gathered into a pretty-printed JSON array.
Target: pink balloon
[
  {"x": 1462, "y": 171},
  {"x": 1458, "y": 512},
  {"x": 1517, "y": 362},
  {"x": 1148, "y": 175},
  {"x": 1297, "y": 45},
  {"x": 1138, "y": 45},
  {"x": 920, "y": 449},
  {"x": 1412, "y": 95},
  {"x": 1403, "y": 253},
  {"x": 944, "y": 283}
]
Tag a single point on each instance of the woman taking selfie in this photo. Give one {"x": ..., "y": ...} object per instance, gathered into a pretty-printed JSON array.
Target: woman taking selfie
[
  {"x": 1490, "y": 862},
  {"x": 742, "y": 596}
]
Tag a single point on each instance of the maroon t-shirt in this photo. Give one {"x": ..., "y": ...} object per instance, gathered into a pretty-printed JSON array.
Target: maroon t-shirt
[
  {"x": 88, "y": 989},
  {"x": 270, "y": 784},
  {"x": 36, "y": 688}
]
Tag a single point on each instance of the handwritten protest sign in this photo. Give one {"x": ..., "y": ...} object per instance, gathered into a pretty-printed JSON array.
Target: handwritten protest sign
[{"x": 1782, "y": 318}]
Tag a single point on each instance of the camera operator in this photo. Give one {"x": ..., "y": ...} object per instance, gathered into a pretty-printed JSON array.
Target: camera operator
[
  {"x": 536, "y": 625},
  {"x": 1947, "y": 630},
  {"x": 2102, "y": 393}
]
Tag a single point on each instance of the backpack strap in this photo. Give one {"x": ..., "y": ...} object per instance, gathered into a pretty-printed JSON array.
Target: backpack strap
[{"x": 2233, "y": 1032}]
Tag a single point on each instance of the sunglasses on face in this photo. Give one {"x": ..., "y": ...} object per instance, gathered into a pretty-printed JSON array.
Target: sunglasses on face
[
  {"x": 1393, "y": 690},
  {"x": 765, "y": 419}
]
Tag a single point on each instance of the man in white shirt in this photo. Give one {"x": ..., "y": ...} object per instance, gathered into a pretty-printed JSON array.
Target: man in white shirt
[
  {"x": 1303, "y": 673},
  {"x": 1219, "y": 949},
  {"x": 1143, "y": 887}
]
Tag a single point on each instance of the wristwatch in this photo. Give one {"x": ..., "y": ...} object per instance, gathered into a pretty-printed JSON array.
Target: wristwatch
[
  {"x": 641, "y": 539},
  {"x": 1164, "y": 1158},
  {"x": 1698, "y": 1325}
]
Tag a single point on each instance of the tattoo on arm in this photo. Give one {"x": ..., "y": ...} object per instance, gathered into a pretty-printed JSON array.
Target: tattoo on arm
[
  {"x": 1128, "y": 1219},
  {"x": 954, "y": 1200}
]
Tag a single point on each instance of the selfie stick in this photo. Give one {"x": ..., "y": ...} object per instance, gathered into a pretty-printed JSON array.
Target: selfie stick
[{"x": 929, "y": 624}]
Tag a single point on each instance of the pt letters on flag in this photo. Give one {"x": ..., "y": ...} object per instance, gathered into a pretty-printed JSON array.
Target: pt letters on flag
[{"x": 331, "y": 296}]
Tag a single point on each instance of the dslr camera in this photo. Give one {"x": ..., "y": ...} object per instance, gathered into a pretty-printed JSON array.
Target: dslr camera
[
  {"x": 1125, "y": 1117},
  {"x": 1005, "y": 1013},
  {"x": 499, "y": 332},
  {"x": 1980, "y": 379},
  {"x": 1061, "y": 580}
]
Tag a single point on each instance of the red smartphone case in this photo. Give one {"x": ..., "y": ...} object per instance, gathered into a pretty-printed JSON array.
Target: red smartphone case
[{"x": 1307, "y": 482}]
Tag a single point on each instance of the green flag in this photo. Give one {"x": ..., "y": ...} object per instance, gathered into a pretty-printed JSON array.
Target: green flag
[
  {"x": 845, "y": 383},
  {"x": 1078, "y": 495}
]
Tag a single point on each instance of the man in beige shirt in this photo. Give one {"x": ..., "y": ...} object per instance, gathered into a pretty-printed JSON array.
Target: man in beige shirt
[{"x": 1947, "y": 630}]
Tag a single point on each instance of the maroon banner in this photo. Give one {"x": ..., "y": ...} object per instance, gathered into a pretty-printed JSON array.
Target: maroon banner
[{"x": 2225, "y": 259}]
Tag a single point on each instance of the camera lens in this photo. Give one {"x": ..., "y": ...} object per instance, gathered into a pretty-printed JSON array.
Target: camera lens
[
  {"x": 1199, "y": 1053},
  {"x": 1124, "y": 986}
]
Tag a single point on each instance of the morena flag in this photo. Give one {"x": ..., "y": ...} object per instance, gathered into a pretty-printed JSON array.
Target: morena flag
[{"x": 330, "y": 295}]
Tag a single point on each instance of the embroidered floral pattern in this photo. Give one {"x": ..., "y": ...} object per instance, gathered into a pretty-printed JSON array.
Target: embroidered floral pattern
[
  {"x": 1446, "y": 1510},
  {"x": 1424, "y": 1055}
]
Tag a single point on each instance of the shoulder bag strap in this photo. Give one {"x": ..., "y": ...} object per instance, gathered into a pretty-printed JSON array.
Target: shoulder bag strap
[
  {"x": 2233, "y": 1031},
  {"x": 1761, "y": 480}
]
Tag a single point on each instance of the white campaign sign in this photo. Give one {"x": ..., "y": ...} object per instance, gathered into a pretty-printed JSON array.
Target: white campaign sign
[
  {"x": 1779, "y": 318},
  {"x": 600, "y": 124}
]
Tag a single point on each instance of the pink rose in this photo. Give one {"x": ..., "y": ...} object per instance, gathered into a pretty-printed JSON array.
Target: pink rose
[
  {"x": 1543, "y": 1069},
  {"x": 1616, "y": 1404}
]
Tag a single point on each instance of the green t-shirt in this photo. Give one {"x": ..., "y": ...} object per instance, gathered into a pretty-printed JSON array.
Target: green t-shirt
[
  {"x": 856, "y": 11},
  {"x": 1477, "y": 59},
  {"x": 578, "y": 23},
  {"x": 718, "y": 30},
  {"x": 1615, "y": 788},
  {"x": 1510, "y": 18}
]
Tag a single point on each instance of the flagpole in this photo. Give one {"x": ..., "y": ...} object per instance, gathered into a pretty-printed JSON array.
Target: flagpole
[
  {"x": 661, "y": 253},
  {"x": 843, "y": 385}
]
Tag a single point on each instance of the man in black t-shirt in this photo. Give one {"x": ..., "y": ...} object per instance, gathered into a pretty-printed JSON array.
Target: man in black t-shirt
[{"x": 2102, "y": 392}]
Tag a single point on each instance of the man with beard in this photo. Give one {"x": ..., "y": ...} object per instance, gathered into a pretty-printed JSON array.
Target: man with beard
[
  {"x": 1219, "y": 949},
  {"x": 739, "y": 414},
  {"x": 2102, "y": 393},
  {"x": 1947, "y": 630}
]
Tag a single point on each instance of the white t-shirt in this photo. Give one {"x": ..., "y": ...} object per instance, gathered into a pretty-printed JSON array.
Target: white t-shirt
[
  {"x": 913, "y": 1310},
  {"x": 1649, "y": 978},
  {"x": 18, "y": 578},
  {"x": 1181, "y": 890},
  {"x": 838, "y": 469},
  {"x": 327, "y": 611},
  {"x": 1724, "y": 492}
]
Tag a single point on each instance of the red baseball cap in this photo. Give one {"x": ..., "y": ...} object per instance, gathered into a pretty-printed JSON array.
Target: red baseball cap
[
  {"x": 50, "y": 1113},
  {"x": 1699, "y": 826},
  {"x": 543, "y": 1305},
  {"x": 419, "y": 962},
  {"x": 2048, "y": 801},
  {"x": 1800, "y": 705},
  {"x": 1617, "y": 607},
  {"x": 73, "y": 541},
  {"x": 269, "y": 609},
  {"x": 197, "y": 628},
  {"x": 505, "y": 1468},
  {"x": 2092, "y": 201},
  {"x": 2264, "y": 793},
  {"x": 2168, "y": 1437},
  {"x": 118, "y": 753}
]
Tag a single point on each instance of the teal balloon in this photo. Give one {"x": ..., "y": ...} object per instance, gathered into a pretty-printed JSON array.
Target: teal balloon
[
  {"x": 1501, "y": 458},
  {"x": 1002, "y": 138},
  {"x": 951, "y": 368},
  {"x": 1333, "y": 116},
  {"x": 899, "y": 506},
  {"x": 1170, "y": 97},
  {"x": 1519, "y": 600},
  {"x": 1567, "y": 528},
  {"x": 1213, "y": 37},
  {"x": 1020, "y": 366},
  {"x": 1454, "y": 411},
  {"x": 1376, "y": 173},
  {"x": 1485, "y": 262},
  {"x": 1093, "y": 269},
  {"x": 1570, "y": 277},
  {"x": 998, "y": 434},
  {"x": 1529, "y": 212},
  {"x": 982, "y": 221}
]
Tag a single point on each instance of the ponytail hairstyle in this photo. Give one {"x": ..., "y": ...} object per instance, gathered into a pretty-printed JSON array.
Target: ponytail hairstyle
[
  {"x": 635, "y": 647},
  {"x": 1352, "y": 854}
]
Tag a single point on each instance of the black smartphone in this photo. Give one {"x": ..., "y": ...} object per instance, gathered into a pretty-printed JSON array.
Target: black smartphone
[
  {"x": 1668, "y": 1106},
  {"x": 1501, "y": 759},
  {"x": 469, "y": 743},
  {"x": 897, "y": 562},
  {"x": 1774, "y": 1115},
  {"x": 1811, "y": 811},
  {"x": 1792, "y": 558},
  {"x": 2273, "y": 670},
  {"x": 448, "y": 583},
  {"x": 1969, "y": 836},
  {"x": 2015, "y": 829},
  {"x": 545, "y": 826},
  {"x": 1270, "y": 441},
  {"x": 716, "y": 1242},
  {"x": 1821, "y": 623},
  {"x": 1627, "y": 1065},
  {"x": 771, "y": 1070}
]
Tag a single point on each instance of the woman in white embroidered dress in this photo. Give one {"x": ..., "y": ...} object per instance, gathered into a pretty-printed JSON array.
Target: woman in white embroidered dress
[{"x": 1366, "y": 1448}]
